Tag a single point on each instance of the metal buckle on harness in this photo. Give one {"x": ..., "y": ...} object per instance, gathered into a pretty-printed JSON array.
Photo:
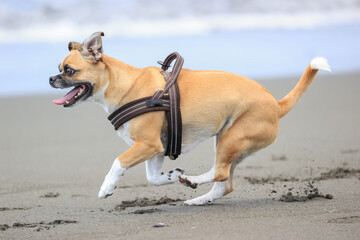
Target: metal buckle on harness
[
  {"x": 173, "y": 157},
  {"x": 154, "y": 103},
  {"x": 162, "y": 64}
]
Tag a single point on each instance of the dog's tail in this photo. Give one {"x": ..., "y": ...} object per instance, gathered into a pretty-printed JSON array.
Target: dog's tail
[{"x": 289, "y": 101}]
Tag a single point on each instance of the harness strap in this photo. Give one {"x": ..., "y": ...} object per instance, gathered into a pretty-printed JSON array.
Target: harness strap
[
  {"x": 167, "y": 100},
  {"x": 136, "y": 108}
]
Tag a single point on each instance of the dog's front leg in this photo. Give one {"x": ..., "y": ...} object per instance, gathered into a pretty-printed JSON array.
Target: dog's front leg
[
  {"x": 138, "y": 153},
  {"x": 111, "y": 179}
]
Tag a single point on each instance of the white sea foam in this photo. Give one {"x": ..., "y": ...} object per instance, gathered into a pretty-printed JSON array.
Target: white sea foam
[{"x": 46, "y": 21}]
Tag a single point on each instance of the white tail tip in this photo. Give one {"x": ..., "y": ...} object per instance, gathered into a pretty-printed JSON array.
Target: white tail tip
[{"x": 320, "y": 63}]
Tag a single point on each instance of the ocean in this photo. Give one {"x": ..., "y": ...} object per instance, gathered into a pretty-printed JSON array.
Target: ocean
[{"x": 249, "y": 38}]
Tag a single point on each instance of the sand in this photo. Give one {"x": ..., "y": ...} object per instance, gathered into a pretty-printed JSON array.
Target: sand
[{"x": 53, "y": 161}]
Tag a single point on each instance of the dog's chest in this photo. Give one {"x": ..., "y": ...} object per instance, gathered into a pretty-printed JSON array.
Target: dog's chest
[{"x": 123, "y": 132}]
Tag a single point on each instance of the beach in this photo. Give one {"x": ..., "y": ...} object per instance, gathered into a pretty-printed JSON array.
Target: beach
[{"x": 306, "y": 185}]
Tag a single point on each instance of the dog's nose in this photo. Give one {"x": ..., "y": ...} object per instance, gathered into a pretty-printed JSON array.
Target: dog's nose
[{"x": 52, "y": 79}]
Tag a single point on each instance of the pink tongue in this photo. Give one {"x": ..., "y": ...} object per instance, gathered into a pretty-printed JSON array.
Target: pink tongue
[{"x": 67, "y": 97}]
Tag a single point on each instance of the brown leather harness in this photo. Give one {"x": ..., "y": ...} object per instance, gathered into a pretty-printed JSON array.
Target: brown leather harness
[{"x": 167, "y": 100}]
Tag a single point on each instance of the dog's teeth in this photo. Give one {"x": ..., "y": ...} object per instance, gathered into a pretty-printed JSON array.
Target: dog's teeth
[{"x": 67, "y": 102}]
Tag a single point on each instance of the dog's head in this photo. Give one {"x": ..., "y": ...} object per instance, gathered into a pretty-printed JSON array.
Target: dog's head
[{"x": 83, "y": 69}]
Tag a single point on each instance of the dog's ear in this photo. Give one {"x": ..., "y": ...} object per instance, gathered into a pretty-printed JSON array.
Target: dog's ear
[
  {"x": 74, "y": 46},
  {"x": 92, "y": 47}
]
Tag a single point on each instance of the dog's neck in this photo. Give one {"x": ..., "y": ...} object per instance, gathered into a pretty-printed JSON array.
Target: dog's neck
[{"x": 118, "y": 81}]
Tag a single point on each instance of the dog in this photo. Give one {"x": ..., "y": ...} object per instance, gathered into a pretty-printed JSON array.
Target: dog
[{"x": 240, "y": 113}]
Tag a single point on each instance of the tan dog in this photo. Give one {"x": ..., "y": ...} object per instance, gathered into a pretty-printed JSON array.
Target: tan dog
[{"x": 239, "y": 112}]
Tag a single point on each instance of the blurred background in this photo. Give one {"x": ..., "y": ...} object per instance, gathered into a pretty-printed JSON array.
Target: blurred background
[
  {"x": 48, "y": 150},
  {"x": 254, "y": 38}
]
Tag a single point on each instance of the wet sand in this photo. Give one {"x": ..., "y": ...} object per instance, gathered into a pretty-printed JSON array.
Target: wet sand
[{"x": 53, "y": 161}]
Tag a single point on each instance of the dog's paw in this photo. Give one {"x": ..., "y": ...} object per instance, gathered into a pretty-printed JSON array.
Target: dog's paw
[
  {"x": 185, "y": 181},
  {"x": 109, "y": 184},
  {"x": 107, "y": 189},
  {"x": 199, "y": 201},
  {"x": 174, "y": 175}
]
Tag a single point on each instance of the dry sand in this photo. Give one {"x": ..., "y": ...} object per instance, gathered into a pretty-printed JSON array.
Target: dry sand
[{"x": 53, "y": 161}]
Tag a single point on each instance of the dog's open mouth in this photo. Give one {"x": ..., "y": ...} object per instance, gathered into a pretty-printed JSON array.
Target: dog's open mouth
[{"x": 79, "y": 92}]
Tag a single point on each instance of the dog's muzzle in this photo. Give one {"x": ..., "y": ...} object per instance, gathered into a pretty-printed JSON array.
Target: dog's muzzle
[
  {"x": 80, "y": 92},
  {"x": 57, "y": 82}
]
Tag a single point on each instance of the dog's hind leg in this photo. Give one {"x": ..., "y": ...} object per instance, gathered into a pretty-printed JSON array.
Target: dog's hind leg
[
  {"x": 218, "y": 190},
  {"x": 244, "y": 137},
  {"x": 154, "y": 174},
  {"x": 228, "y": 149}
]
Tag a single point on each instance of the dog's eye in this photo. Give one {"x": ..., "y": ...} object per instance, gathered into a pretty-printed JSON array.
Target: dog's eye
[{"x": 69, "y": 71}]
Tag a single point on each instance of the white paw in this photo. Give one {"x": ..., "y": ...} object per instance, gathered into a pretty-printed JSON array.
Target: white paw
[
  {"x": 199, "y": 201},
  {"x": 174, "y": 175},
  {"x": 107, "y": 188},
  {"x": 109, "y": 184}
]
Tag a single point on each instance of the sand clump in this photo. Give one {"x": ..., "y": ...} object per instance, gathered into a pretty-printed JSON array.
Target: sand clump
[
  {"x": 350, "y": 219},
  {"x": 4, "y": 227},
  {"x": 310, "y": 192},
  {"x": 144, "y": 202},
  {"x": 50, "y": 195},
  {"x": 271, "y": 180},
  {"x": 12, "y": 209},
  {"x": 39, "y": 226},
  {"x": 339, "y": 173},
  {"x": 146, "y": 211}
]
